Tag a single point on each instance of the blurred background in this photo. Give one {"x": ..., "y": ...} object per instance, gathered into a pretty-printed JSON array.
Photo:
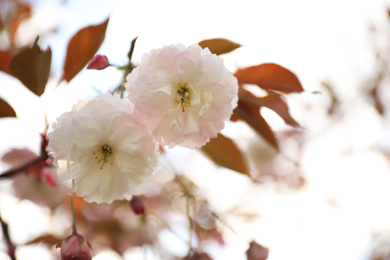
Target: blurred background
[{"x": 325, "y": 195}]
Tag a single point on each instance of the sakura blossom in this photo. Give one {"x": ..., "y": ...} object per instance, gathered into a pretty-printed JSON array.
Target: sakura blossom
[
  {"x": 108, "y": 155},
  {"x": 184, "y": 95}
]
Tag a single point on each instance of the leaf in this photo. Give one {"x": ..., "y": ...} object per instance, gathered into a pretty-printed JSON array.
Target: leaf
[
  {"x": 32, "y": 67},
  {"x": 6, "y": 110},
  {"x": 256, "y": 252},
  {"x": 81, "y": 49},
  {"x": 225, "y": 153},
  {"x": 15, "y": 17},
  {"x": 49, "y": 240},
  {"x": 270, "y": 76},
  {"x": 219, "y": 46},
  {"x": 5, "y": 60},
  {"x": 251, "y": 115},
  {"x": 273, "y": 101},
  {"x": 132, "y": 46}
]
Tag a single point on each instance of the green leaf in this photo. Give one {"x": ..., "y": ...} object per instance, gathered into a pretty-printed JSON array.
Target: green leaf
[
  {"x": 270, "y": 76},
  {"x": 6, "y": 110},
  {"x": 132, "y": 45},
  {"x": 219, "y": 46},
  {"x": 81, "y": 49},
  {"x": 32, "y": 67},
  {"x": 224, "y": 152}
]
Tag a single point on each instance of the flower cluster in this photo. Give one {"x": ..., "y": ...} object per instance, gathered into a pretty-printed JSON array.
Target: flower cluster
[{"x": 108, "y": 145}]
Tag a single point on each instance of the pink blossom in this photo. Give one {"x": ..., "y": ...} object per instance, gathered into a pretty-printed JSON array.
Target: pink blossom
[
  {"x": 40, "y": 183},
  {"x": 184, "y": 95}
]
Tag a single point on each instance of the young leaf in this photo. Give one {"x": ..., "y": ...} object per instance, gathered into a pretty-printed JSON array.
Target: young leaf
[
  {"x": 5, "y": 60},
  {"x": 132, "y": 46},
  {"x": 251, "y": 115},
  {"x": 219, "y": 46},
  {"x": 32, "y": 67},
  {"x": 6, "y": 110},
  {"x": 225, "y": 153},
  {"x": 270, "y": 76},
  {"x": 273, "y": 101},
  {"x": 82, "y": 47}
]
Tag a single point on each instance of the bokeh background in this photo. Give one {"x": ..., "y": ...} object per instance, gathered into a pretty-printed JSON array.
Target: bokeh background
[{"x": 324, "y": 196}]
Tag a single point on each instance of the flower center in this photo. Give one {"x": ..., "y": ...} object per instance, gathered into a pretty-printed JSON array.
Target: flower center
[
  {"x": 103, "y": 153},
  {"x": 183, "y": 96}
]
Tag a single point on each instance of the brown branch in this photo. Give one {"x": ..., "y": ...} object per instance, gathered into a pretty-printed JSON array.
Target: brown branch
[
  {"x": 12, "y": 172},
  {"x": 10, "y": 245}
]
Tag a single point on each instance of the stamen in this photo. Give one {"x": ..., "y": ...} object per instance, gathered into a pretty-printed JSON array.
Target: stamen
[
  {"x": 102, "y": 155},
  {"x": 184, "y": 96}
]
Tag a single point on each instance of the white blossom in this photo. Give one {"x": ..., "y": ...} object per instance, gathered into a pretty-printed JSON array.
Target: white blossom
[
  {"x": 106, "y": 153},
  {"x": 184, "y": 95}
]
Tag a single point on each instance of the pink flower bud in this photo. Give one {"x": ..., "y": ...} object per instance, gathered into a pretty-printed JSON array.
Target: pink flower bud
[
  {"x": 137, "y": 205},
  {"x": 256, "y": 252},
  {"x": 75, "y": 247},
  {"x": 98, "y": 62}
]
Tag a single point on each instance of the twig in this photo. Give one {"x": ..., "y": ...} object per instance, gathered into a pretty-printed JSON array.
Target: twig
[
  {"x": 11, "y": 172},
  {"x": 10, "y": 245}
]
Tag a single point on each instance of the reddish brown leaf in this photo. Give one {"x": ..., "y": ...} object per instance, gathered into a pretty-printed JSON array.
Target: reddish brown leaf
[
  {"x": 32, "y": 67},
  {"x": 270, "y": 76},
  {"x": 5, "y": 60},
  {"x": 256, "y": 252},
  {"x": 251, "y": 115},
  {"x": 45, "y": 239},
  {"x": 219, "y": 46},
  {"x": 82, "y": 47},
  {"x": 273, "y": 101},
  {"x": 19, "y": 13},
  {"x": 6, "y": 110},
  {"x": 225, "y": 153}
]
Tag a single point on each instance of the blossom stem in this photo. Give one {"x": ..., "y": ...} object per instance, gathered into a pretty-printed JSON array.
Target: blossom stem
[
  {"x": 145, "y": 252},
  {"x": 190, "y": 220},
  {"x": 74, "y": 229}
]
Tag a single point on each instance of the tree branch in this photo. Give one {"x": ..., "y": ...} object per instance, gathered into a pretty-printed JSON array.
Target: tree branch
[
  {"x": 10, "y": 245},
  {"x": 11, "y": 172}
]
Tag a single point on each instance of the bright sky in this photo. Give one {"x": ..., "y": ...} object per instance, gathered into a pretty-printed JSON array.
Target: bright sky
[{"x": 318, "y": 40}]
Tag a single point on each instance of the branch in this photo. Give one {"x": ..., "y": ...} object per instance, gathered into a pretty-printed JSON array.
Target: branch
[
  {"x": 11, "y": 172},
  {"x": 10, "y": 246}
]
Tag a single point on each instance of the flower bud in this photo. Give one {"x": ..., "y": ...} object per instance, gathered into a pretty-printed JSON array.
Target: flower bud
[
  {"x": 137, "y": 205},
  {"x": 75, "y": 247},
  {"x": 98, "y": 62},
  {"x": 256, "y": 252}
]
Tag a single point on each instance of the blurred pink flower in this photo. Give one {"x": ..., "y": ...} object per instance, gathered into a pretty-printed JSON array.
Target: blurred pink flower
[
  {"x": 75, "y": 247},
  {"x": 103, "y": 149},
  {"x": 39, "y": 184},
  {"x": 184, "y": 95},
  {"x": 98, "y": 62}
]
